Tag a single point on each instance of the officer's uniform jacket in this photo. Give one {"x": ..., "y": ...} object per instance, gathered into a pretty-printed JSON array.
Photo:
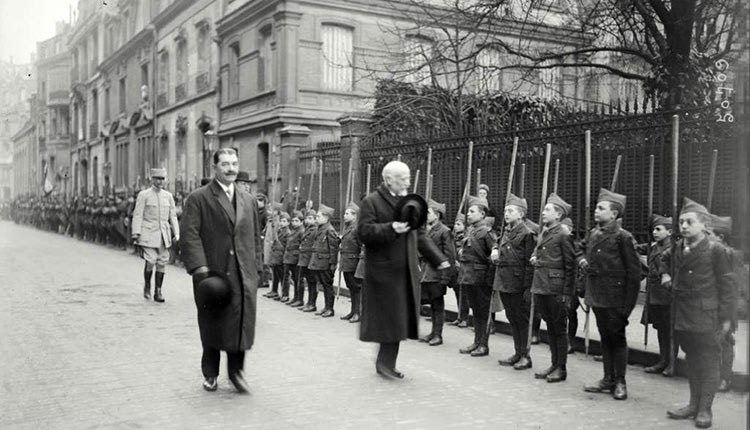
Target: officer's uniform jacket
[
  {"x": 325, "y": 249},
  {"x": 476, "y": 268},
  {"x": 350, "y": 248},
  {"x": 306, "y": 245},
  {"x": 657, "y": 294},
  {"x": 702, "y": 284},
  {"x": 515, "y": 247},
  {"x": 293, "y": 240},
  {"x": 555, "y": 269},
  {"x": 440, "y": 235},
  {"x": 153, "y": 214},
  {"x": 278, "y": 247},
  {"x": 613, "y": 275}
]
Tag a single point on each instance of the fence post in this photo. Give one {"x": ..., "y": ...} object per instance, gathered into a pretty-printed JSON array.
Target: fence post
[{"x": 353, "y": 128}]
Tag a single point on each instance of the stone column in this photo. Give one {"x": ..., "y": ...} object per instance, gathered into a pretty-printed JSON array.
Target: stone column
[
  {"x": 353, "y": 128},
  {"x": 292, "y": 138},
  {"x": 287, "y": 24}
]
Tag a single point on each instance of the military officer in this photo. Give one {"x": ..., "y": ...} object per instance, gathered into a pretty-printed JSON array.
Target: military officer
[
  {"x": 613, "y": 276},
  {"x": 512, "y": 254},
  {"x": 153, "y": 216}
]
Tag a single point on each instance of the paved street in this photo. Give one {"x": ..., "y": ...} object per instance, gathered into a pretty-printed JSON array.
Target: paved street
[{"x": 80, "y": 348}]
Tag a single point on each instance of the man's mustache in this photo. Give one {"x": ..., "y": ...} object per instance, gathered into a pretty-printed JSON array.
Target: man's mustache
[{"x": 231, "y": 172}]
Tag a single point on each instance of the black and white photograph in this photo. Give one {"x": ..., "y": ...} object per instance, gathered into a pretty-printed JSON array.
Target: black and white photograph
[{"x": 374, "y": 214}]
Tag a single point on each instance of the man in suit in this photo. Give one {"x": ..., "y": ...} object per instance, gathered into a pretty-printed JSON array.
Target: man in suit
[
  {"x": 390, "y": 293},
  {"x": 153, "y": 214},
  {"x": 613, "y": 277},
  {"x": 221, "y": 237}
]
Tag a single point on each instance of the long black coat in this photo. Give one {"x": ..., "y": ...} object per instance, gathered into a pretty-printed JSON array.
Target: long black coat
[
  {"x": 226, "y": 240},
  {"x": 515, "y": 247},
  {"x": 390, "y": 293}
]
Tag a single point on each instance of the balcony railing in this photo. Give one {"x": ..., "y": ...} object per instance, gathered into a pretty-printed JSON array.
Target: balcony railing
[
  {"x": 201, "y": 82},
  {"x": 180, "y": 92},
  {"x": 161, "y": 101}
]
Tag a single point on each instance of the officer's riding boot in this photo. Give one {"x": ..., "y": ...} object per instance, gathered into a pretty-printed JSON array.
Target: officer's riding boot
[
  {"x": 438, "y": 319},
  {"x": 704, "y": 416},
  {"x": 328, "y": 311},
  {"x": 691, "y": 409},
  {"x": 312, "y": 298},
  {"x": 157, "y": 291},
  {"x": 620, "y": 391},
  {"x": 356, "y": 304},
  {"x": 147, "y": 284},
  {"x": 607, "y": 383}
]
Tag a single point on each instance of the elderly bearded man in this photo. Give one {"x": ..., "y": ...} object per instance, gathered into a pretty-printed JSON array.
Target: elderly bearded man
[{"x": 390, "y": 294}]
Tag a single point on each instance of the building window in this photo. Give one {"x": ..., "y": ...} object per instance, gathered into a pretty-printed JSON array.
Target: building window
[
  {"x": 162, "y": 99},
  {"x": 106, "y": 104},
  {"x": 121, "y": 163},
  {"x": 144, "y": 74},
  {"x": 122, "y": 94},
  {"x": 94, "y": 112},
  {"x": 265, "y": 60},
  {"x": 549, "y": 82},
  {"x": 338, "y": 55},
  {"x": 487, "y": 75},
  {"x": 181, "y": 70},
  {"x": 202, "y": 45},
  {"x": 418, "y": 59},
  {"x": 234, "y": 75},
  {"x": 95, "y": 175}
]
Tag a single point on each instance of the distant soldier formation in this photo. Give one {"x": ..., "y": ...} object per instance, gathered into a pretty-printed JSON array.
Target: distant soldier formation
[{"x": 693, "y": 278}]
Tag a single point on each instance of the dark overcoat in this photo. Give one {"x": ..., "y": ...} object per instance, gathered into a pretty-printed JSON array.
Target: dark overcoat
[
  {"x": 703, "y": 286},
  {"x": 279, "y": 246},
  {"x": 325, "y": 252},
  {"x": 658, "y": 294},
  {"x": 306, "y": 245},
  {"x": 228, "y": 242},
  {"x": 441, "y": 236},
  {"x": 555, "y": 269},
  {"x": 476, "y": 267},
  {"x": 349, "y": 249},
  {"x": 514, "y": 271},
  {"x": 390, "y": 293},
  {"x": 613, "y": 275},
  {"x": 293, "y": 241}
]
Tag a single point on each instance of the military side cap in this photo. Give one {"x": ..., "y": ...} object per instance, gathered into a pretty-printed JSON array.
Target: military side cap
[
  {"x": 484, "y": 187},
  {"x": 285, "y": 215},
  {"x": 277, "y": 206},
  {"x": 353, "y": 207},
  {"x": 489, "y": 221},
  {"x": 478, "y": 201},
  {"x": 325, "y": 210},
  {"x": 559, "y": 202},
  {"x": 721, "y": 224},
  {"x": 159, "y": 172},
  {"x": 310, "y": 212},
  {"x": 461, "y": 218},
  {"x": 514, "y": 200},
  {"x": 569, "y": 222},
  {"x": 656, "y": 219},
  {"x": 693, "y": 206},
  {"x": 411, "y": 209},
  {"x": 298, "y": 214},
  {"x": 606, "y": 195},
  {"x": 436, "y": 206},
  {"x": 212, "y": 293},
  {"x": 242, "y": 176}
]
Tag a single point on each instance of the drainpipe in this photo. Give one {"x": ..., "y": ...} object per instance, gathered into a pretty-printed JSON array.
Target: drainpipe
[{"x": 152, "y": 92}]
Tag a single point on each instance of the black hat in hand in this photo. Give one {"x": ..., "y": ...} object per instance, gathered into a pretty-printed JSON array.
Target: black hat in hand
[
  {"x": 412, "y": 209},
  {"x": 212, "y": 293}
]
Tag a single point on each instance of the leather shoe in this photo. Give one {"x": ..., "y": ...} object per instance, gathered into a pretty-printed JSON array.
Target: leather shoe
[
  {"x": 296, "y": 304},
  {"x": 347, "y": 316},
  {"x": 239, "y": 382},
  {"x": 523, "y": 363},
  {"x": 535, "y": 340},
  {"x": 621, "y": 390},
  {"x": 387, "y": 372},
  {"x": 284, "y": 299},
  {"x": 481, "y": 351},
  {"x": 321, "y": 311},
  {"x": 468, "y": 349},
  {"x": 600, "y": 386},
  {"x": 426, "y": 338},
  {"x": 436, "y": 340},
  {"x": 355, "y": 318},
  {"x": 277, "y": 298},
  {"x": 656, "y": 368},
  {"x": 725, "y": 385},
  {"x": 463, "y": 324},
  {"x": 147, "y": 292},
  {"x": 311, "y": 309},
  {"x": 557, "y": 375},
  {"x": 327, "y": 313},
  {"x": 455, "y": 322},
  {"x": 703, "y": 419},
  {"x": 513, "y": 359},
  {"x": 669, "y": 371},
  {"x": 683, "y": 413},
  {"x": 544, "y": 373},
  {"x": 210, "y": 384}
]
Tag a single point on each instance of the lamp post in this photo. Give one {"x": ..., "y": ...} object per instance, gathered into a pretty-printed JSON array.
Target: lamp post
[{"x": 210, "y": 144}]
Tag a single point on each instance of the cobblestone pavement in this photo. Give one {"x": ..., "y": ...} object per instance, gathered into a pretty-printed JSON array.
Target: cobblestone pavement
[{"x": 80, "y": 348}]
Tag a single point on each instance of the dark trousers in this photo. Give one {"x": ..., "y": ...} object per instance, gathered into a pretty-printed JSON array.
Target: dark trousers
[
  {"x": 291, "y": 275},
  {"x": 437, "y": 305},
  {"x": 211, "y": 358},
  {"x": 555, "y": 314},
  {"x": 312, "y": 285},
  {"x": 573, "y": 319},
  {"x": 479, "y": 297},
  {"x": 659, "y": 317},
  {"x": 703, "y": 356},
  {"x": 387, "y": 355},
  {"x": 354, "y": 286},
  {"x": 611, "y": 323},
  {"x": 278, "y": 277},
  {"x": 727, "y": 356},
  {"x": 462, "y": 301},
  {"x": 266, "y": 274},
  {"x": 325, "y": 279},
  {"x": 517, "y": 311}
]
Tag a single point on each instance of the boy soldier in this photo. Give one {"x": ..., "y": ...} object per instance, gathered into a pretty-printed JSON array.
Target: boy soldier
[
  {"x": 462, "y": 298},
  {"x": 153, "y": 215},
  {"x": 477, "y": 273},
  {"x": 305, "y": 252},
  {"x": 567, "y": 225},
  {"x": 291, "y": 258},
  {"x": 700, "y": 277},
  {"x": 350, "y": 249},
  {"x": 434, "y": 282},
  {"x": 513, "y": 276},
  {"x": 658, "y": 298},
  {"x": 719, "y": 230},
  {"x": 613, "y": 278},
  {"x": 269, "y": 236},
  {"x": 324, "y": 257},
  {"x": 553, "y": 283},
  {"x": 277, "y": 259}
]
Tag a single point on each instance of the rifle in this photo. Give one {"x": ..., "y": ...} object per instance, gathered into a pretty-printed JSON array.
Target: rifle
[
  {"x": 460, "y": 208},
  {"x": 712, "y": 179},
  {"x": 369, "y": 174},
  {"x": 312, "y": 180},
  {"x": 650, "y": 211},
  {"x": 428, "y": 190},
  {"x": 416, "y": 182},
  {"x": 539, "y": 239},
  {"x": 613, "y": 185},
  {"x": 675, "y": 231},
  {"x": 320, "y": 183},
  {"x": 299, "y": 190},
  {"x": 587, "y": 227}
]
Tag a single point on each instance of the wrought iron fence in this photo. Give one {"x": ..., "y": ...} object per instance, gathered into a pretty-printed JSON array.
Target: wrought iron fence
[
  {"x": 635, "y": 137},
  {"x": 332, "y": 181}
]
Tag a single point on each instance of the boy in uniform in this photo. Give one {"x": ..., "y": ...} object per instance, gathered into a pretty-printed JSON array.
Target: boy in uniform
[
  {"x": 324, "y": 257},
  {"x": 277, "y": 259},
  {"x": 291, "y": 257},
  {"x": 305, "y": 252},
  {"x": 350, "y": 249},
  {"x": 462, "y": 299}
]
